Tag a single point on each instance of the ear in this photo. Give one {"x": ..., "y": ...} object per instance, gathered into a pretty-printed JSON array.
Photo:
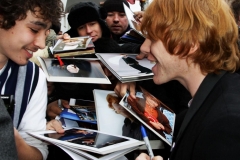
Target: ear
[{"x": 194, "y": 47}]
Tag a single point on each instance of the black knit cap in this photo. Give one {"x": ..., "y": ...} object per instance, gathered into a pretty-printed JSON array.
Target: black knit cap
[
  {"x": 84, "y": 12},
  {"x": 115, "y": 5}
]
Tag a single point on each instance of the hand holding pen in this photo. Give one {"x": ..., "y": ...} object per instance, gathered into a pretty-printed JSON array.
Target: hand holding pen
[
  {"x": 138, "y": 16},
  {"x": 146, "y": 140},
  {"x": 144, "y": 156}
]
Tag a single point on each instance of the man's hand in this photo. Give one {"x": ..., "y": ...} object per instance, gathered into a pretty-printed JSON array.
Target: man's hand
[
  {"x": 64, "y": 36},
  {"x": 138, "y": 16},
  {"x": 122, "y": 88},
  {"x": 54, "y": 110},
  {"x": 144, "y": 156},
  {"x": 55, "y": 125}
]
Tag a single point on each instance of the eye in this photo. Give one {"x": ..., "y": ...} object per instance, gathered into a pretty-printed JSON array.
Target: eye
[
  {"x": 80, "y": 27},
  {"x": 34, "y": 30},
  {"x": 92, "y": 23},
  {"x": 110, "y": 14},
  {"x": 122, "y": 14}
]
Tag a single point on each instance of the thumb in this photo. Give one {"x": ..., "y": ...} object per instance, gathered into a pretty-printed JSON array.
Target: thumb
[
  {"x": 141, "y": 56},
  {"x": 65, "y": 104}
]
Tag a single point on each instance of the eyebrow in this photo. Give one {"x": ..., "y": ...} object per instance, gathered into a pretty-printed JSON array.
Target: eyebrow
[{"x": 39, "y": 23}]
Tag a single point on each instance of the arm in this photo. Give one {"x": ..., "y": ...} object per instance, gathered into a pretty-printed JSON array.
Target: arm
[{"x": 24, "y": 150}]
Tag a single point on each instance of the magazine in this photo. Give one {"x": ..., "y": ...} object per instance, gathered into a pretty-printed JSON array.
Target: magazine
[
  {"x": 133, "y": 37},
  {"x": 77, "y": 154},
  {"x": 77, "y": 70},
  {"x": 152, "y": 113},
  {"x": 82, "y": 112},
  {"x": 73, "y": 47},
  {"x": 126, "y": 67},
  {"x": 107, "y": 103},
  {"x": 73, "y": 44},
  {"x": 88, "y": 140},
  {"x": 132, "y": 22}
]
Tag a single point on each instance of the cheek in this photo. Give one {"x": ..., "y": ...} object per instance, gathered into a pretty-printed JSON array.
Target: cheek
[
  {"x": 82, "y": 32},
  {"x": 99, "y": 32},
  {"x": 108, "y": 20}
]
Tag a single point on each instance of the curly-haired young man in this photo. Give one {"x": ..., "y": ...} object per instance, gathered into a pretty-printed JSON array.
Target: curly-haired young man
[{"x": 24, "y": 26}]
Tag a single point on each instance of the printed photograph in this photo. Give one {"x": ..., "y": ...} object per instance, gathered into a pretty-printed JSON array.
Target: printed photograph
[
  {"x": 74, "y": 68},
  {"x": 126, "y": 65},
  {"x": 77, "y": 43},
  {"x": 152, "y": 112},
  {"x": 87, "y": 138},
  {"x": 85, "y": 110}
]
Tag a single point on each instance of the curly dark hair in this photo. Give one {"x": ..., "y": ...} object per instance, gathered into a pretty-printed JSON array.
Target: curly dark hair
[{"x": 12, "y": 10}]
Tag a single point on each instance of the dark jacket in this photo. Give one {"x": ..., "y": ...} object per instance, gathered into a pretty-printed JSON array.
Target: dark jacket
[
  {"x": 210, "y": 129},
  {"x": 7, "y": 146}
]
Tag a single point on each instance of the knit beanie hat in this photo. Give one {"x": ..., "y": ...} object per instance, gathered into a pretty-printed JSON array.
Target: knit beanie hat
[
  {"x": 84, "y": 12},
  {"x": 115, "y": 5}
]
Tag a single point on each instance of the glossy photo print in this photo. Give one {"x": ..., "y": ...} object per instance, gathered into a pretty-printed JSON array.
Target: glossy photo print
[
  {"x": 152, "y": 113},
  {"x": 88, "y": 138}
]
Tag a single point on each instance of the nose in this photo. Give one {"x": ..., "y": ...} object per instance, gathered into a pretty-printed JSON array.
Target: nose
[
  {"x": 88, "y": 29},
  {"x": 116, "y": 18},
  {"x": 40, "y": 41},
  {"x": 145, "y": 47}
]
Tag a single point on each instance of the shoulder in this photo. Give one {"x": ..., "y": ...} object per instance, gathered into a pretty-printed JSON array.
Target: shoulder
[{"x": 230, "y": 82}]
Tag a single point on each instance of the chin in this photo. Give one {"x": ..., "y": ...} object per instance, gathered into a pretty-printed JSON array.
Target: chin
[
  {"x": 156, "y": 80},
  {"x": 22, "y": 63}
]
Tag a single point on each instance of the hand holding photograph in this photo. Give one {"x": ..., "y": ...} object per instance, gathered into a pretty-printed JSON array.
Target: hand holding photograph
[{"x": 151, "y": 112}]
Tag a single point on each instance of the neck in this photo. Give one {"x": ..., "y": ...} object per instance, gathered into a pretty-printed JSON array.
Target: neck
[{"x": 192, "y": 79}]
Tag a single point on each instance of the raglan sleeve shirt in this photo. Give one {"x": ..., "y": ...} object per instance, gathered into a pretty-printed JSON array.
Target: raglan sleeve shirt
[{"x": 34, "y": 118}]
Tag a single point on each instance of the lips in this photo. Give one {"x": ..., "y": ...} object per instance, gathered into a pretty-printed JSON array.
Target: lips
[
  {"x": 30, "y": 52},
  {"x": 116, "y": 27}
]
